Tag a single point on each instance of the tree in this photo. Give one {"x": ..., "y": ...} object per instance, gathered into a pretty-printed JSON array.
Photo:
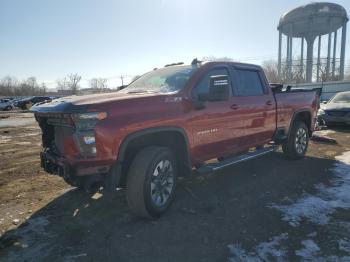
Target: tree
[
  {"x": 295, "y": 75},
  {"x": 271, "y": 70},
  {"x": 70, "y": 82},
  {"x": 8, "y": 84},
  {"x": 73, "y": 82},
  {"x": 62, "y": 84},
  {"x": 215, "y": 58},
  {"x": 31, "y": 85},
  {"x": 43, "y": 88},
  {"x": 323, "y": 77},
  {"x": 98, "y": 84}
]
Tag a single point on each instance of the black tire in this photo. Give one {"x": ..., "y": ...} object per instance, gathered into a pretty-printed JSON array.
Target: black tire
[
  {"x": 146, "y": 171},
  {"x": 296, "y": 145},
  {"x": 8, "y": 108}
]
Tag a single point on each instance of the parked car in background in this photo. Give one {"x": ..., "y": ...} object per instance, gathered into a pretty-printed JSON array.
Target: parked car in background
[
  {"x": 336, "y": 111},
  {"x": 28, "y": 102},
  {"x": 6, "y": 104}
]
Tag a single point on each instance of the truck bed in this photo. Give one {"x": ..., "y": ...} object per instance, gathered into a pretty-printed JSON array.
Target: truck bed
[{"x": 291, "y": 101}]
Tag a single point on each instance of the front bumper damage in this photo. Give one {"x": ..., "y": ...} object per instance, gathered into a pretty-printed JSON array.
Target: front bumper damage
[
  {"x": 108, "y": 176},
  {"x": 56, "y": 165},
  {"x": 53, "y": 165}
]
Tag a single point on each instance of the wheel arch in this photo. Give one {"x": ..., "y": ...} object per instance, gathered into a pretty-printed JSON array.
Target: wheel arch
[
  {"x": 173, "y": 137},
  {"x": 303, "y": 115}
]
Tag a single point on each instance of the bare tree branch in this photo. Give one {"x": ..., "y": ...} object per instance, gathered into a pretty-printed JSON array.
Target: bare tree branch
[
  {"x": 98, "y": 84},
  {"x": 73, "y": 82}
]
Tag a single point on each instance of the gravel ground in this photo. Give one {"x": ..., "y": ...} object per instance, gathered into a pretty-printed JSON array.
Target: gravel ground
[{"x": 262, "y": 210}]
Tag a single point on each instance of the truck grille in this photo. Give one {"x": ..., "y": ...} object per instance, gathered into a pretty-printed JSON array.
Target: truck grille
[
  {"x": 55, "y": 129},
  {"x": 61, "y": 133}
]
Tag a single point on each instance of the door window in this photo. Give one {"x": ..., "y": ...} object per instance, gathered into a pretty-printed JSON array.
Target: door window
[
  {"x": 249, "y": 83},
  {"x": 203, "y": 86}
]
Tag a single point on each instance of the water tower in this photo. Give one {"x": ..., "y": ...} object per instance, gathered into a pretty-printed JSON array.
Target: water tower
[{"x": 305, "y": 24}]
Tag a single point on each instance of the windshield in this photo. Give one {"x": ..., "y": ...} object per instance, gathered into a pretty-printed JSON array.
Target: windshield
[
  {"x": 341, "y": 98},
  {"x": 164, "y": 80}
]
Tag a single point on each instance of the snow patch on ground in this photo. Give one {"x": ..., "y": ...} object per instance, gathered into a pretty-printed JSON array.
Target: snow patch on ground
[
  {"x": 16, "y": 122},
  {"x": 309, "y": 251},
  {"x": 29, "y": 134},
  {"x": 266, "y": 251},
  {"x": 344, "y": 245},
  {"x": 315, "y": 208},
  {"x": 318, "y": 208},
  {"x": 23, "y": 143},
  {"x": 324, "y": 132},
  {"x": 5, "y": 139}
]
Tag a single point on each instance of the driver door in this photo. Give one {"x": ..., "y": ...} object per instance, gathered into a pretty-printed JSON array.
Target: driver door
[{"x": 217, "y": 127}]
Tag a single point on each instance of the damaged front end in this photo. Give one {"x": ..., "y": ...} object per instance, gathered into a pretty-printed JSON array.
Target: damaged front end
[
  {"x": 69, "y": 146},
  {"x": 57, "y": 138}
]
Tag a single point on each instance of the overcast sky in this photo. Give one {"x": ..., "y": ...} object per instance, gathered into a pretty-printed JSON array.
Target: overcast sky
[{"x": 106, "y": 38}]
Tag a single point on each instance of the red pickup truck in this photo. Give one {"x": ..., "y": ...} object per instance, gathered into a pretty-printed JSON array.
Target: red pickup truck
[{"x": 166, "y": 123}]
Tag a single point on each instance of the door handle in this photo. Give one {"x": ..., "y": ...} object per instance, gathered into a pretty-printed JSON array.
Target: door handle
[
  {"x": 234, "y": 107},
  {"x": 269, "y": 103}
]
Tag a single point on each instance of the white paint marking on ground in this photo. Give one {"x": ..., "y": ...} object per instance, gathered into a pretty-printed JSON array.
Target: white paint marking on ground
[{"x": 318, "y": 208}]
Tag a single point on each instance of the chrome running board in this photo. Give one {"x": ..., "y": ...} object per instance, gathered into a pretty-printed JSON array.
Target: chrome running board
[{"x": 213, "y": 167}]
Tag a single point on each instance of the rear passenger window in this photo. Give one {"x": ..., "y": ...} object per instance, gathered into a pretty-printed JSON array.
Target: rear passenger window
[{"x": 249, "y": 83}]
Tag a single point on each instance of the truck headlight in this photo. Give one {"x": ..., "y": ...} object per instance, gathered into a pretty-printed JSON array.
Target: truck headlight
[
  {"x": 90, "y": 116},
  {"x": 88, "y": 121},
  {"x": 85, "y": 124}
]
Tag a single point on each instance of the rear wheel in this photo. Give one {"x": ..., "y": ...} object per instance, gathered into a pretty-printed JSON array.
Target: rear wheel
[
  {"x": 151, "y": 181},
  {"x": 298, "y": 140}
]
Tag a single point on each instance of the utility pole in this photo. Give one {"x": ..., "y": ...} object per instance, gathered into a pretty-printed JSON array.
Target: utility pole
[{"x": 122, "y": 78}]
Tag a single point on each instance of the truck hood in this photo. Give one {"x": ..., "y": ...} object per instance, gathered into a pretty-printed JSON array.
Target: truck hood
[{"x": 73, "y": 104}]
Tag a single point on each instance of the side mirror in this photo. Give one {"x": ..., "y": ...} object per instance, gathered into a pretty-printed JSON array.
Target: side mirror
[{"x": 219, "y": 89}]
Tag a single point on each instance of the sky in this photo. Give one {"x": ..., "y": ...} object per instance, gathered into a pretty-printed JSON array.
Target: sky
[{"x": 107, "y": 38}]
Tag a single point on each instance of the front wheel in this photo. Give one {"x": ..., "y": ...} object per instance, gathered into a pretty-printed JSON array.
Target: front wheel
[
  {"x": 298, "y": 140},
  {"x": 151, "y": 181}
]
